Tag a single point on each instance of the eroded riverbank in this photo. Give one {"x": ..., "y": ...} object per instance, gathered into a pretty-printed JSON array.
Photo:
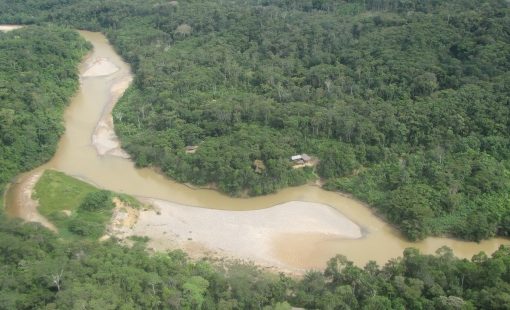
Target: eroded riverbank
[{"x": 89, "y": 150}]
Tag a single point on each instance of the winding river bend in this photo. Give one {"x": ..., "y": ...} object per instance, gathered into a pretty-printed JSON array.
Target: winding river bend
[{"x": 89, "y": 113}]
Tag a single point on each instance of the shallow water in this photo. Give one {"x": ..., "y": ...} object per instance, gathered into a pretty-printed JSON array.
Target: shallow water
[{"x": 77, "y": 156}]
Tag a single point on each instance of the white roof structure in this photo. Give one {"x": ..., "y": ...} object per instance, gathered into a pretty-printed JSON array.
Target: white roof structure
[{"x": 296, "y": 157}]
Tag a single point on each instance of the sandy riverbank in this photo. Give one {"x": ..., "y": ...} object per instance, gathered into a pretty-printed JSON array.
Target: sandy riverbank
[
  {"x": 248, "y": 235},
  {"x": 104, "y": 138},
  {"x": 97, "y": 67},
  {"x": 29, "y": 205}
]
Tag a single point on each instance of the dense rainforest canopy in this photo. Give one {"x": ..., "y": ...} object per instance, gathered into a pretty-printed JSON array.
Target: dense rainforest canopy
[
  {"x": 38, "y": 75},
  {"x": 39, "y": 271},
  {"x": 405, "y": 103}
]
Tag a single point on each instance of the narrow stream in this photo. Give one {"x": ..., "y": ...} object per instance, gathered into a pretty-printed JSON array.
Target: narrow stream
[{"x": 77, "y": 156}]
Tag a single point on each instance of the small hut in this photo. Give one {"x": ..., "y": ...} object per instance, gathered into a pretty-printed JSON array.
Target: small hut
[
  {"x": 191, "y": 149},
  {"x": 259, "y": 166},
  {"x": 301, "y": 160},
  {"x": 296, "y": 158},
  {"x": 306, "y": 158}
]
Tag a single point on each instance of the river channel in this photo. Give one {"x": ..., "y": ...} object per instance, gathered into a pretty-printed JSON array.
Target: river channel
[{"x": 77, "y": 156}]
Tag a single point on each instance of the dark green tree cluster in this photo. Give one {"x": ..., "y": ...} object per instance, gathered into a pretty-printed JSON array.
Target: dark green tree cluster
[
  {"x": 449, "y": 172},
  {"x": 414, "y": 281},
  {"x": 92, "y": 216},
  {"x": 38, "y": 75},
  {"x": 405, "y": 102},
  {"x": 40, "y": 271},
  {"x": 97, "y": 201}
]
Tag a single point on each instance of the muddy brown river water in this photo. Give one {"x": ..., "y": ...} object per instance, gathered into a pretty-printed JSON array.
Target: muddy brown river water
[{"x": 77, "y": 156}]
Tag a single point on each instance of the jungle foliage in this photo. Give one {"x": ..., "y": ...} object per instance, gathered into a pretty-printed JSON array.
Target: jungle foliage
[
  {"x": 38, "y": 75},
  {"x": 405, "y": 103},
  {"x": 432, "y": 154},
  {"x": 41, "y": 271}
]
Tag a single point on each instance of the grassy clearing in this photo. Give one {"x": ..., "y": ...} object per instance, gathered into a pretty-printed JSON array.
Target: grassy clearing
[
  {"x": 57, "y": 192},
  {"x": 78, "y": 209},
  {"x": 129, "y": 200}
]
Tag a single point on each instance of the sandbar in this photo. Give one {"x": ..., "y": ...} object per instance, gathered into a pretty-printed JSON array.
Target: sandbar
[
  {"x": 97, "y": 67},
  {"x": 104, "y": 138},
  {"x": 246, "y": 235}
]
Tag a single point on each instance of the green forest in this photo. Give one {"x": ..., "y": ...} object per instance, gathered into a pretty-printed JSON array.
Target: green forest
[
  {"x": 38, "y": 75},
  {"x": 40, "y": 271},
  {"x": 404, "y": 102}
]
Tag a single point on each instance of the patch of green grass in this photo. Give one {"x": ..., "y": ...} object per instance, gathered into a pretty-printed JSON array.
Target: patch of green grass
[
  {"x": 129, "y": 200},
  {"x": 57, "y": 192},
  {"x": 142, "y": 239},
  {"x": 90, "y": 208}
]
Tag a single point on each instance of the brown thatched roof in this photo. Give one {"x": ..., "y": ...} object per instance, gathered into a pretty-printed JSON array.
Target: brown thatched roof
[{"x": 259, "y": 166}]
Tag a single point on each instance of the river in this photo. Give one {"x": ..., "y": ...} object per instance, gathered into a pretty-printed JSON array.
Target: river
[{"x": 77, "y": 156}]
